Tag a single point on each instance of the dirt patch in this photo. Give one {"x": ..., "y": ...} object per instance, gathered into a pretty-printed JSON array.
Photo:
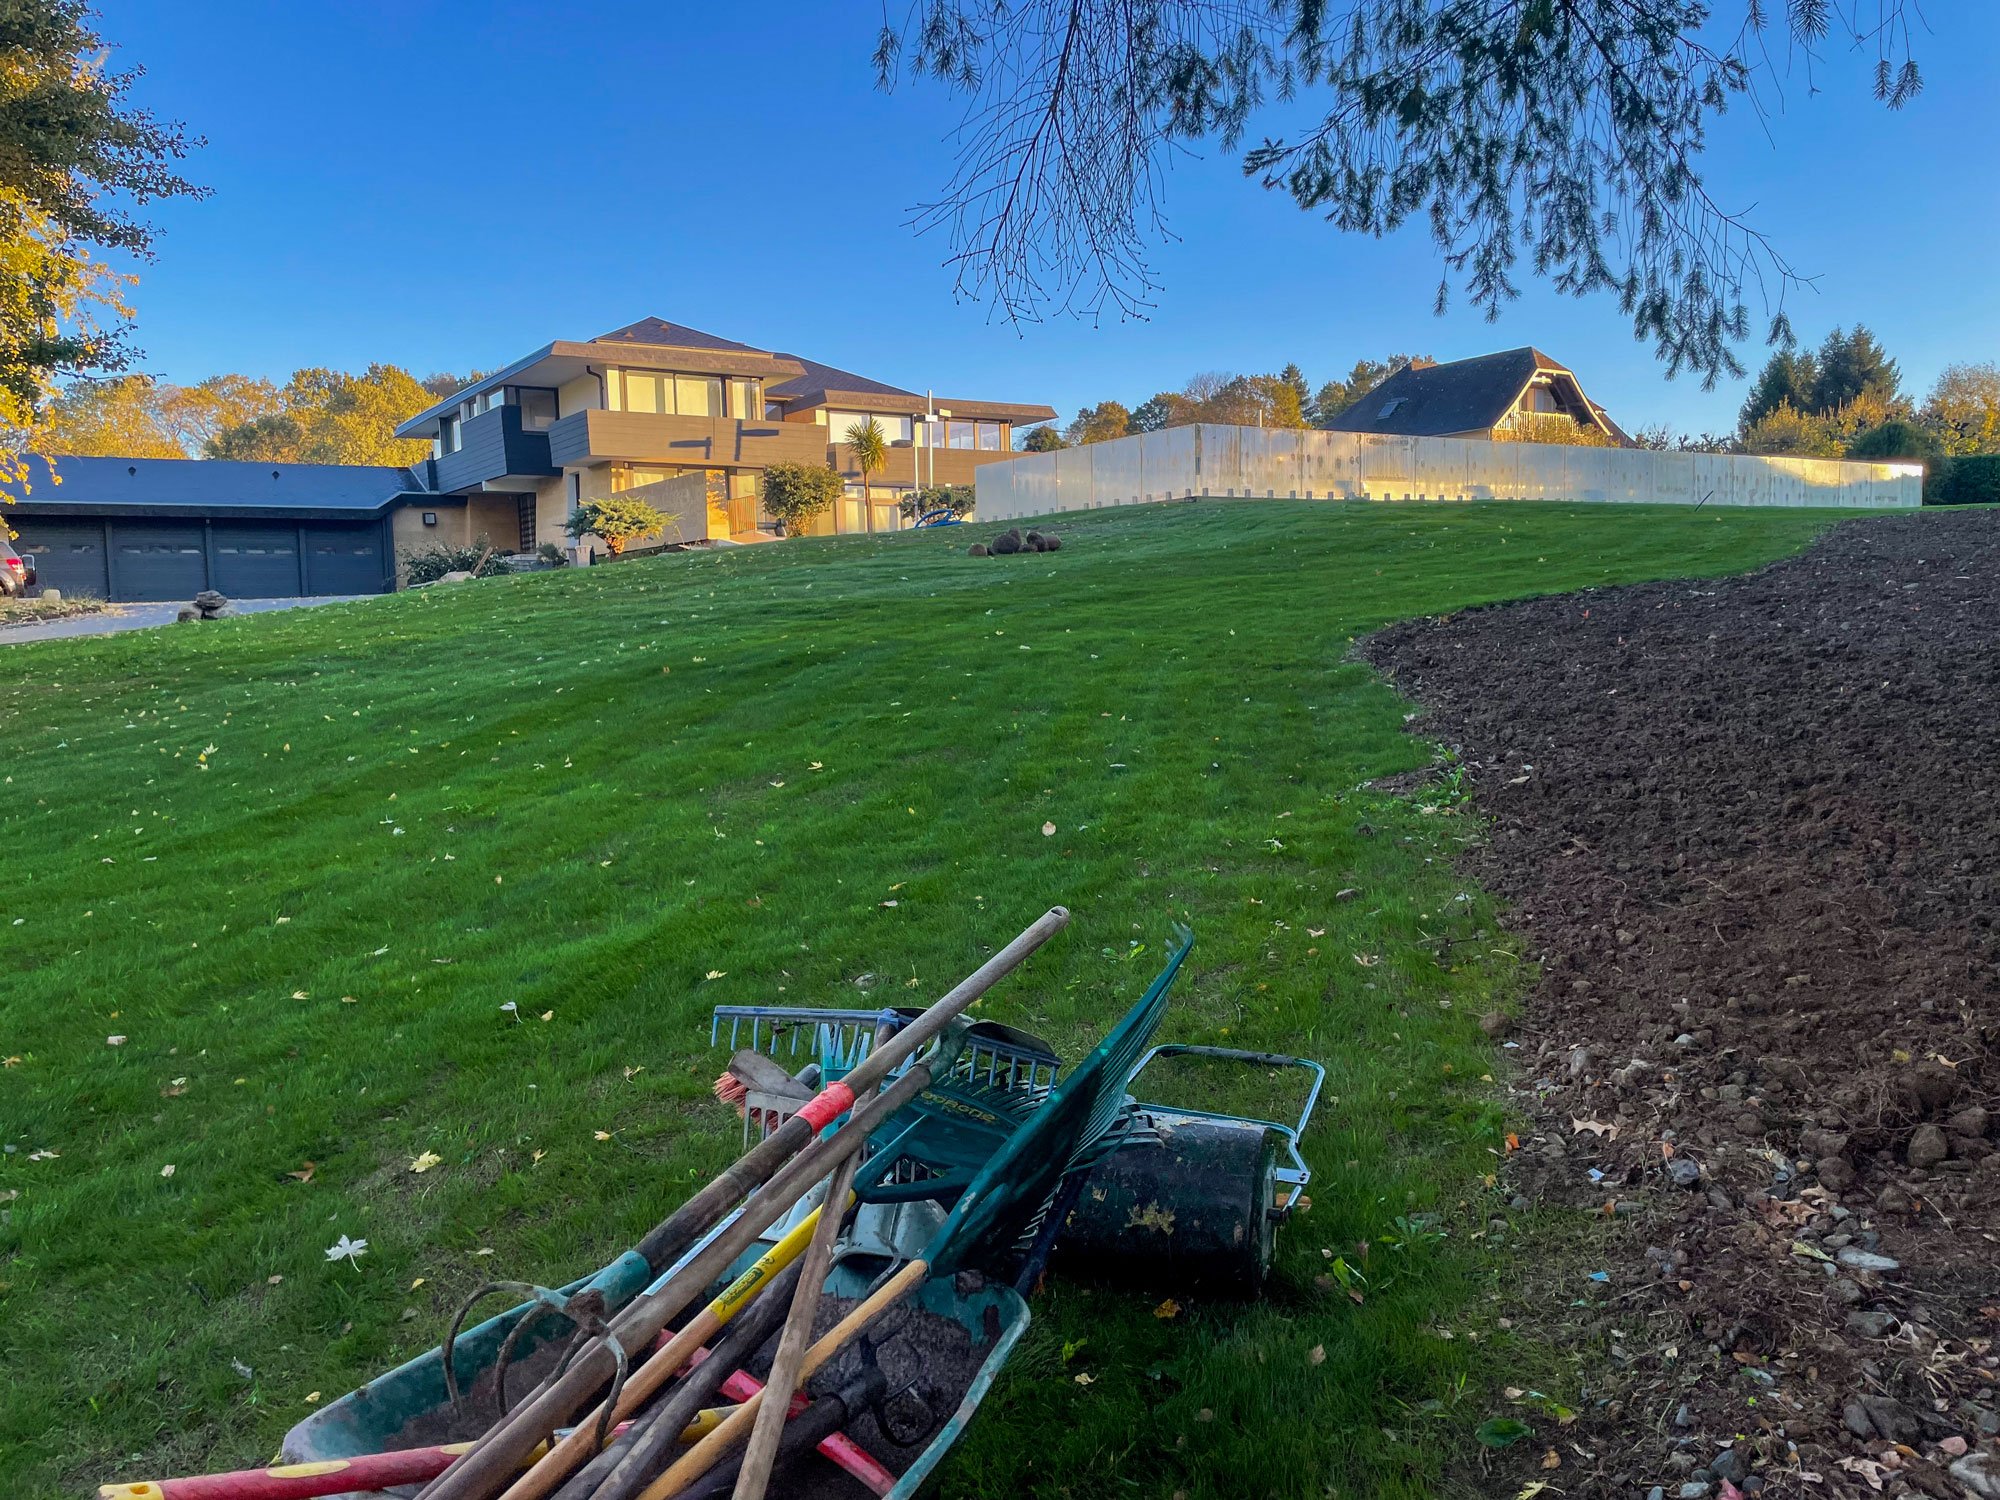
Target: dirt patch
[{"x": 1749, "y": 830}]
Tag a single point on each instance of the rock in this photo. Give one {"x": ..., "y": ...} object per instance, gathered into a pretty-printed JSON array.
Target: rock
[
  {"x": 1718, "y": 1199},
  {"x": 1892, "y": 1419},
  {"x": 1007, "y": 543},
  {"x": 456, "y": 575},
  {"x": 1835, "y": 1175},
  {"x": 1051, "y": 542},
  {"x": 1683, "y": 1417},
  {"x": 1848, "y": 1290},
  {"x": 1893, "y": 1200},
  {"x": 1579, "y": 1061},
  {"x": 1683, "y": 1172},
  {"x": 977, "y": 549},
  {"x": 1855, "y": 1416},
  {"x": 221, "y": 612},
  {"x": 1856, "y": 1259},
  {"x": 1496, "y": 1023},
  {"x": 1555, "y": 1151},
  {"x": 1694, "y": 1489},
  {"x": 1927, "y": 1147},
  {"x": 1973, "y": 1122},
  {"x": 1517, "y": 1203},
  {"x": 1953, "y": 1446},
  {"x": 1731, "y": 1465},
  {"x": 1817, "y": 1143},
  {"x": 1685, "y": 1039},
  {"x": 1580, "y": 986},
  {"x": 1870, "y": 1325},
  {"x": 188, "y": 612},
  {"x": 51, "y": 596},
  {"x": 210, "y": 599},
  {"x": 1979, "y": 1473},
  {"x": 1657, "y": 1492}
]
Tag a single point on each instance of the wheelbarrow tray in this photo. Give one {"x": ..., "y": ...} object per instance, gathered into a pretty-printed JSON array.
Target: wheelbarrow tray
[{"x": 407, "y": 1407}]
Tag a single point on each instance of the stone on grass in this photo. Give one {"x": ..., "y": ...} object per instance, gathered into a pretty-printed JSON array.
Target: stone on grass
[
  {"x": 977, "y": 549},
  {"x": 1496, "y": 1023},
  {"x": 1007, "y": 543}
]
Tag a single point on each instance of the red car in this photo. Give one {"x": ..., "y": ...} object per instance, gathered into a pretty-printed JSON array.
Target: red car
[{"x": 16, "y": 576}]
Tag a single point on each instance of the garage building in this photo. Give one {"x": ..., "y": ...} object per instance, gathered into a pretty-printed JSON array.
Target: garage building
[{"x": 165, "y": 529}]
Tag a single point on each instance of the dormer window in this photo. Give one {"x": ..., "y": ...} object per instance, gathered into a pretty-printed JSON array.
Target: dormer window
[{"x": 1389, "y": 408}]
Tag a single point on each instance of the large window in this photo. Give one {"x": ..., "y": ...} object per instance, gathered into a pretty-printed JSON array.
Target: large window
[
  {"x": 631, "y": 476},
  {"x": 538, "y": 407},
  {"x": 449, "y": 439},
  {"x": 958, "y": 433},
  {"x": 673, "y": 395},
  {"x": 896, "y": 428},
  {"x": 746, "y": 400}
]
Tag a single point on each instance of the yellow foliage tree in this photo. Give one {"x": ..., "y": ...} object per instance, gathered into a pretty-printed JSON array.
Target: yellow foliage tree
[
  {"x": 1963, "y": 409},
  {"x": 329, "y": 417}
]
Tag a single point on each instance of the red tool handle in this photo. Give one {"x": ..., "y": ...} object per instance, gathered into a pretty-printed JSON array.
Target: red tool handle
[
  {"x": 332, "y": 1476},
  {"x": 839, "y": 1448}
]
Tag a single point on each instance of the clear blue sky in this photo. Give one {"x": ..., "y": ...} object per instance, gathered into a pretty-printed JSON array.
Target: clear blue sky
[{"x": 444, "y": 186}]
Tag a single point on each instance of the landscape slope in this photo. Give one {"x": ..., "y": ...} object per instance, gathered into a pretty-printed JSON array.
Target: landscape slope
[{"x": 297, "y": 904}]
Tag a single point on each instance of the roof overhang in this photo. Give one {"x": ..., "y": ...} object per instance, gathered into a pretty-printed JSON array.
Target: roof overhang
[{"x": 559, "y": 363}]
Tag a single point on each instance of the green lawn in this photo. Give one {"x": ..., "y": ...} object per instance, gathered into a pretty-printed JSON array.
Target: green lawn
[{"x": 300, "y": 862}]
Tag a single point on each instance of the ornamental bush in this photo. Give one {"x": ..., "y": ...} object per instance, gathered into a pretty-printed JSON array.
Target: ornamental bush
[
  {"x": 796, "y": 494},
  {"x": 618, "y": 519}
]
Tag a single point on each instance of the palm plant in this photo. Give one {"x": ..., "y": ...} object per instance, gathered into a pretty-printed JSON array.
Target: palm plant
[{"x": 870, "y": 446}]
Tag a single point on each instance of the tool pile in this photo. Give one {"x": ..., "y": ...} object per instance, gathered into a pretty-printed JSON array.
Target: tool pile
[{"x": 853, "y": 1283}]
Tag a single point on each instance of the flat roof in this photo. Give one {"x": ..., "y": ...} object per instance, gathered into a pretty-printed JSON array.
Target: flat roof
[{"x": 162, "y": 486}]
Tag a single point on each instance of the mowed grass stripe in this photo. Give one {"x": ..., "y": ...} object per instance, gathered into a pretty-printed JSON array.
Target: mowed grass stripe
[{"x": 587, "y": 834}]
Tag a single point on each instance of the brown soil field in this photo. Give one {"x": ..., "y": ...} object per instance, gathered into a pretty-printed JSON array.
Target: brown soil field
[{"x": 1750, "y": 830}]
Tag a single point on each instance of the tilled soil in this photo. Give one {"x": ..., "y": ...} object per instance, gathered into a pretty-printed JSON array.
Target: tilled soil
[{"x": 1750, "y": 829}]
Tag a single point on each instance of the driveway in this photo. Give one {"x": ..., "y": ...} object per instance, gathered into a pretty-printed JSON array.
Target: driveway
[{"x": 116, "y": 617}]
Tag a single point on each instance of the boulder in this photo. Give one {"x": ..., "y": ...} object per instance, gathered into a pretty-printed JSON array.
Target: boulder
[
  {"x": 456, "y": 575},
  {"x": 1973, "y": 1122},
  {"x": 977, "y": 549},
  {"x": 1051, "y": 542},
  {"x": 188, "y": 612},
  {"x": 1835, "y": 1175},
  {"x": 1007, "y": 543}
]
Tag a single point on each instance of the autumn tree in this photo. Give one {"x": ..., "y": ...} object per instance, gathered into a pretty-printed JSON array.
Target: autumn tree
[
  {"x": 1963, "y": 409},
  {"x": 139, "y": 416},
  {"x": 1336, "y": 396},
  {"x": 1043, "y": 439},
  {"x": 329, "y": 417},
  {"x": 1098, "y": 424},
  {"x": 74, "y": 154}
]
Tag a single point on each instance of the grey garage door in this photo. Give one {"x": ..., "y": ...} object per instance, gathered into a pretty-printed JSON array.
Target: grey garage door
[
  {"x": 256, "y": 562},
  {"x": 344, "y": 559},
  {"x": 157, "y": 560},
  {"x": 66, "y": 554}
]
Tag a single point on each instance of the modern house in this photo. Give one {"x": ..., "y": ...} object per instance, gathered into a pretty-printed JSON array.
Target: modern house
[
  {"x": 689, "y": 418},
  {"x": 655, "y": 402},
  {"x": 1513, "y": 394}
]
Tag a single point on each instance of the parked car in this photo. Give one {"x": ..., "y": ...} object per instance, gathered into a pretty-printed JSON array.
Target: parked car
[{"x": 16, "y": 575}]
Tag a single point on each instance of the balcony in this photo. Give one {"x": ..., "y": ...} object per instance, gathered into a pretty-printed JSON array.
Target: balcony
[
  {"x": 593, "y": 437},
  {"x": 494, "y": 447}
]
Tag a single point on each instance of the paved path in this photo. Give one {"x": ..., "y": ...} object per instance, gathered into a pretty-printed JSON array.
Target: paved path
[{"x": 116, "y": 617}]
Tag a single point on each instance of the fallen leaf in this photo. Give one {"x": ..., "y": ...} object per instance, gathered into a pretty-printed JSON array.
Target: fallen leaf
[
  {"x": 482, "y": 1250},
  {"x": 272, "y": 1280},
  {"x": 716, "y": 974},
  {"x": 1086, "y": 1379},
  {"x": 311, "y": 1396},
  {"x": 425, "y": 1161},
  {"x": 417, "y": 1283},
  {"x": 175, "y": 1089},
  {"x": 1552, "y": 1459},
  {"x": 1167, "y": 1309},
  {"x": 602, "y": 1135},
  {"x": 1501, "y": 1432},
  {"x": 167, "y": 1170},
  {"x": 298, "y": 994},
  {"x": 10, "y": 1062},
  {"x": 548, "y": 1015},
  {"x": 346, "y": 1249},
  {"x": 1602, "y": 1129},
  {"x": 1048, "y": 830},
  {"x": 1513, "y": 1141},
  {"x": 1315, "y": 932},
  {"x": 114, "y": 1041},
  {"x": 539, "y": 1154},
  {"x": 1513, "y": 1392},
  {"x": 1318, "y": 1355},
  {"x": 305, "y": 1173}
]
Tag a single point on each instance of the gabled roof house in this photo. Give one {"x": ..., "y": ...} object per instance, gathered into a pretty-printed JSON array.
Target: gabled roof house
[{"x": 1491, "y": 396}]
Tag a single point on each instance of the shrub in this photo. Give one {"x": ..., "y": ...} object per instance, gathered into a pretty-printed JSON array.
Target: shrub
[
  {"x": 551, "y": 554},
  {"x": 617, "y": 519},
  {"x": 1898, "y": 440},
  {"x": 797, "y": 493},
  {"x": 429, "y": 563},
  {"x": 1971, "y": 479},
  {"x": 956, "y": 498}
]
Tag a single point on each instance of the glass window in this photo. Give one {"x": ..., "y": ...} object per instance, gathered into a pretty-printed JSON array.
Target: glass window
[
  {"x": 961, "y": 434},
  {"x": 989, "y": 436},
  {"x": 448, "y": 434},
  {"x": 746, "y": 399},
  {"x": 698, "y": 395},
  {"x": 643, "y": 392},
  {"x": 631, "y": 476},
  {"x": 538, "y": 407}
]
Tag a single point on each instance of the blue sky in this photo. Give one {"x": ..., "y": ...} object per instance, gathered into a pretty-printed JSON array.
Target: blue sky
[{"x": 445, "y": 186}]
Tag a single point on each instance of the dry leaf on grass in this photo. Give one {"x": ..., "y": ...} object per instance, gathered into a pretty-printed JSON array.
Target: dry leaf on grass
[
  {"x": 425, "y": 1162},
  {"x": 305, "y": 1173},
  {"x": 1167, "y": 1309}
]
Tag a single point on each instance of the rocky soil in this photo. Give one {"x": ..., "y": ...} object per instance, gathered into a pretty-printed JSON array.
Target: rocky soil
[{"x": 1751, "y": 831}]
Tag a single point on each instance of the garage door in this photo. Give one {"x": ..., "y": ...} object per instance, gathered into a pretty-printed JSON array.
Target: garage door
[
  {"x": 344, "y": 559},
  {"x": 158, "y": 560},
  {"x": 256, "y": 562},
  {"x": 66, "y": 555}
]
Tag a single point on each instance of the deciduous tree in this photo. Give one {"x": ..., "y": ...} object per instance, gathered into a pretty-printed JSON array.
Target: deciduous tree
[
  {"x": 1564, "y": 132},
  {"x": 1099, "y": 423},
  {"x": 797, "y": 494},
  {"x": 1963, "y": 409},
  {"x": 1043, "y": 439},
  {"x": 329, "y": 417}
]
